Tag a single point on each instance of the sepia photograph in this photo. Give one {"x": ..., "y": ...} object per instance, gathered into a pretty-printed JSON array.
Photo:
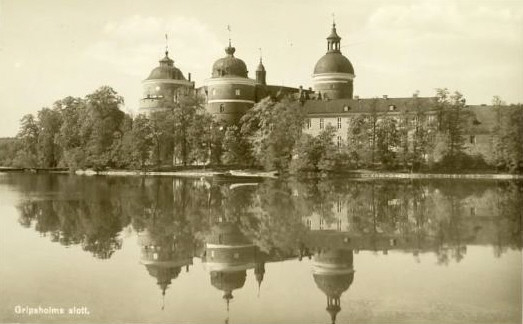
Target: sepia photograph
[{"x": 261, "y": 162}]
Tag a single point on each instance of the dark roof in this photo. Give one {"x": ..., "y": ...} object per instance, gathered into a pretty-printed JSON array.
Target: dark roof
[
  {"x": 334, "y": 34},
  {"x": 228, "y": 281},
  {"x": 350, "y": 106},
  {"x": 229, "y": 65},
  {"x": 260, "y": 67},
  {"x": 335, "y": 284},
  {"x": 333, "y": 62},
  {"x": 166, "y": 70}
]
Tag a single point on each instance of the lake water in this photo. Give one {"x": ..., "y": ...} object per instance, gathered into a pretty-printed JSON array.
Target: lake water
[{"x": 169, "y": 250}]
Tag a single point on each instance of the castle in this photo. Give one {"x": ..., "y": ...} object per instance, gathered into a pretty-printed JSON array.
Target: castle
[{"x": 229, "y": 93}]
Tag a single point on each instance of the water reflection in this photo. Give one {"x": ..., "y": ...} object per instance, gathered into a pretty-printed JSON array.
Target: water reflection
[{"x": 236, "y": 227}]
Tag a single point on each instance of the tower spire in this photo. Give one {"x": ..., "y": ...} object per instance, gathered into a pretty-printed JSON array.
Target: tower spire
[{"x": 261, "y": 56}]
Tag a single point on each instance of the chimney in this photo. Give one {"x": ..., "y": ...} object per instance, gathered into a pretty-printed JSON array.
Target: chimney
[
  {"x": 357, "y": 97},
  {"x": 189, "y": 76},
  {"x": 415, "y": 95},
  {"x": 385, "y": 97}
]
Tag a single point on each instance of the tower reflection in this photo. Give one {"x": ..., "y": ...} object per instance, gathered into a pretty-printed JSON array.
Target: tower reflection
[
  {"x": 228, "y": 255},
  {"x": 164, "y": 257},
  {"x": 333, "y": 274}
]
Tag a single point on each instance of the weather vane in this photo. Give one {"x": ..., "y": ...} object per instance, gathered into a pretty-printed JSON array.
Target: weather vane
[
  {"x": 229, "y": 29},
  {"x": 166, "y": 44}
]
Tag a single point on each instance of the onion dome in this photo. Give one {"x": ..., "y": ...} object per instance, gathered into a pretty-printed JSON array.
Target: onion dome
[
  {"x": 166, "y": 70},
  {"x": 333, "y": 61},
  {"x": 229, "y": 65}
]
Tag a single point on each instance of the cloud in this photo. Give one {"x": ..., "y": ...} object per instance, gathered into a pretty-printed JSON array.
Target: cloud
[
  {"x": 444, "y": 43},
  {"x": 135, "y": 44}
]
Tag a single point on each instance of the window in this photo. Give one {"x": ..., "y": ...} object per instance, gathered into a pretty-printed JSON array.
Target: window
[
  {"x": 236, "y": 255},
  {"x": 472, "y": 139},
  {"x": 339, "y": 122},
  {"x": 346, "y": 108},
  {"x": 392, "y": 107},
  {"x": 222, "y": 108},
  {"x": 339, "y": 141},
  {"x": 309, "y": 123},
  {"x": 339, "y": 203},
  {"x": 321, "y": 123},
  {"x": 339, "y": 224},
  {"x": 238, "y": 92},
  {"x": 214, "y": 92},
  {"x": 321, "y": 223}
]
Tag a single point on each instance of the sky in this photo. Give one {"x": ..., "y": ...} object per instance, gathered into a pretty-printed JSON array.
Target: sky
[{"x": 57, "y": 48}]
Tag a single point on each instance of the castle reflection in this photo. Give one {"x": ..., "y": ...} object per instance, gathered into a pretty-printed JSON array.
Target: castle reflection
[{"x": 235, "y": 227}]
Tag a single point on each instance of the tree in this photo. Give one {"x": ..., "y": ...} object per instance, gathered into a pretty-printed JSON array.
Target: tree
[
  {"x": 452, "y": 125},
  {"x": 387, "y": 138},
  {"x": 73, "y": 114},
  {"x": 102, "y": 125},
  {"x": 272, "y": 128},
  {"x": 27, "y": 156},
  {"x": 236, "y": 149},
  {"x": 507, "y": 136},
  {"x": 421, "y": 137},
  {"x": 49, "y": 123},
  {"x": 142, "y": 141}
]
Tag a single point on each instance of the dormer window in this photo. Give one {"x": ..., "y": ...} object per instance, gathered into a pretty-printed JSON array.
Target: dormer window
[
  {"x": 222, "y": 108},
  {"x": 392, "y": 107},
  {"x": 214, "y": 92},
  {"x": 238, "y": 92},
  {"x": 346, "y": 108}
]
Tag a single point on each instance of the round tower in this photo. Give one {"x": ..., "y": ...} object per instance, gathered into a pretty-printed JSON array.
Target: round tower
[
  {"x": 230, "y": 92},
  {"x": 333, "y": 74},
  {"x": 161, "y": 88}
]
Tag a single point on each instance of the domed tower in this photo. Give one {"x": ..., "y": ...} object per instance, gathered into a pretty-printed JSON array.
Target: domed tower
[
  {"x": 333, "y": 274},
  {"x": 230, "y": 92},
  {"x": 333, "y": 74},
  {"x": 164, "y": 84}
]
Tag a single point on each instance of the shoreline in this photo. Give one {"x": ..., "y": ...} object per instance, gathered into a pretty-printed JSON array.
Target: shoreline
[{"x": 199, "y": 173}]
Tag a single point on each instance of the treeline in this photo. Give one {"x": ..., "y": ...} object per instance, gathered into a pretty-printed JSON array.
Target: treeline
[
  {"x": 92, "y": 132},
  {"x": 431, "y": 216}
]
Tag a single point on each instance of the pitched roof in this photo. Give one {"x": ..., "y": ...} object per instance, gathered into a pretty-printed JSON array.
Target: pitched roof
[{"x": 349, "y": 106}]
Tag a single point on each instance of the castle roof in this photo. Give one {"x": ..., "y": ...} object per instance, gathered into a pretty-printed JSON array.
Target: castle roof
[
  {"x": 166, "y": 70},
  {"x": 229, "y": 65},
  {"x": 351, "y": 106},
  {"x": 333, "y": 61}
]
